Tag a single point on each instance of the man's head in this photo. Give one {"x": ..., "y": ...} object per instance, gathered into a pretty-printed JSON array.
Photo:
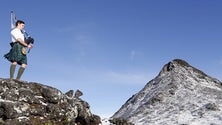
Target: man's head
[{"x": 20, "y": 24}]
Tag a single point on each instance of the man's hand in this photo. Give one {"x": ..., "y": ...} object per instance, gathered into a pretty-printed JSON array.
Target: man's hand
[{"x": 30, "y": 46}]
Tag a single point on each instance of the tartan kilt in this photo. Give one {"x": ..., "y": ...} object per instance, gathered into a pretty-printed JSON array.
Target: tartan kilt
[{"x": 15, "y": 54}]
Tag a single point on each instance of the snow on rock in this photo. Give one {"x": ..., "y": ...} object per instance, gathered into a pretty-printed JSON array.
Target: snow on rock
[
  {"x": 179, "y": 95},
  {"x": 105, "y": 121}
]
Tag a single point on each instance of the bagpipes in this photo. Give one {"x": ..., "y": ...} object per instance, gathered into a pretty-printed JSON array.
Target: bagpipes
[{"x": 28, "y": 38}]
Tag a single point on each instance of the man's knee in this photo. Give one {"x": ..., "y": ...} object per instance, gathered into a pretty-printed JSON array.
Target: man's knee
[
  {"x": 23, "y": 65},
  {"x": 14, "y": 63}
]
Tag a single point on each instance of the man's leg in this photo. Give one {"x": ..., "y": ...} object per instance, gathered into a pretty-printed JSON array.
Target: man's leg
[
  {"x": 20, "y": 71},
  {"x": 12, "y": 69}
]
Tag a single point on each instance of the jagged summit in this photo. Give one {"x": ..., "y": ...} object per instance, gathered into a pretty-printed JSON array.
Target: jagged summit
[
  {"x": 177, "y": 63},
  {"x": 180, "y": 94}
]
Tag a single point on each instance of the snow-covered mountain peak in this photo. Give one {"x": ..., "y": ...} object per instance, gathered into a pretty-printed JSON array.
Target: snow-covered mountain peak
[{"x": 180, "y": 94}]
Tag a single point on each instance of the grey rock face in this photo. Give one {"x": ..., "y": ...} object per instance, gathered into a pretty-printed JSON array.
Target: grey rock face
[
  {"x": 179, "y": 95},
  {"x": 27, "y": 103}
]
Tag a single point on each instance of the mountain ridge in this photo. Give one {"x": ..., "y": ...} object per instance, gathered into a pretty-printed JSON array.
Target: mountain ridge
[{"x": 179, "y": 90}]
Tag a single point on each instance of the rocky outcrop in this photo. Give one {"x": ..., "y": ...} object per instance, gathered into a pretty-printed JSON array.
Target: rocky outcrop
[
  {"x": 120, "y": 121},
  {"x": 180, "y": 95},
  {"x": 28, "y": 103}
]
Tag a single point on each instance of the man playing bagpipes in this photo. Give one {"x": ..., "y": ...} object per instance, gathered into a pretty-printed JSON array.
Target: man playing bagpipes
[{"x": 17, "y": 53}]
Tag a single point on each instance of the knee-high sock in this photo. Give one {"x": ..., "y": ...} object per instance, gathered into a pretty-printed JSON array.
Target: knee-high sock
[
  {"x": 12, "y": 71},
  {"x": 20, "y": 72}
]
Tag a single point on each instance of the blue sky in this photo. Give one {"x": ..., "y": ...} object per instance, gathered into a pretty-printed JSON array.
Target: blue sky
[{"x": 109, "y": 49}]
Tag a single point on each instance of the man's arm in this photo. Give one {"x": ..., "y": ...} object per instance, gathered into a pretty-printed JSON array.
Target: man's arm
[{"x": 22, "y": 42}]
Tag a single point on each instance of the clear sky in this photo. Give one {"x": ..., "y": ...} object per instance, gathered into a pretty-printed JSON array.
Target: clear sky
[{"x": 110, "y": 49}]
